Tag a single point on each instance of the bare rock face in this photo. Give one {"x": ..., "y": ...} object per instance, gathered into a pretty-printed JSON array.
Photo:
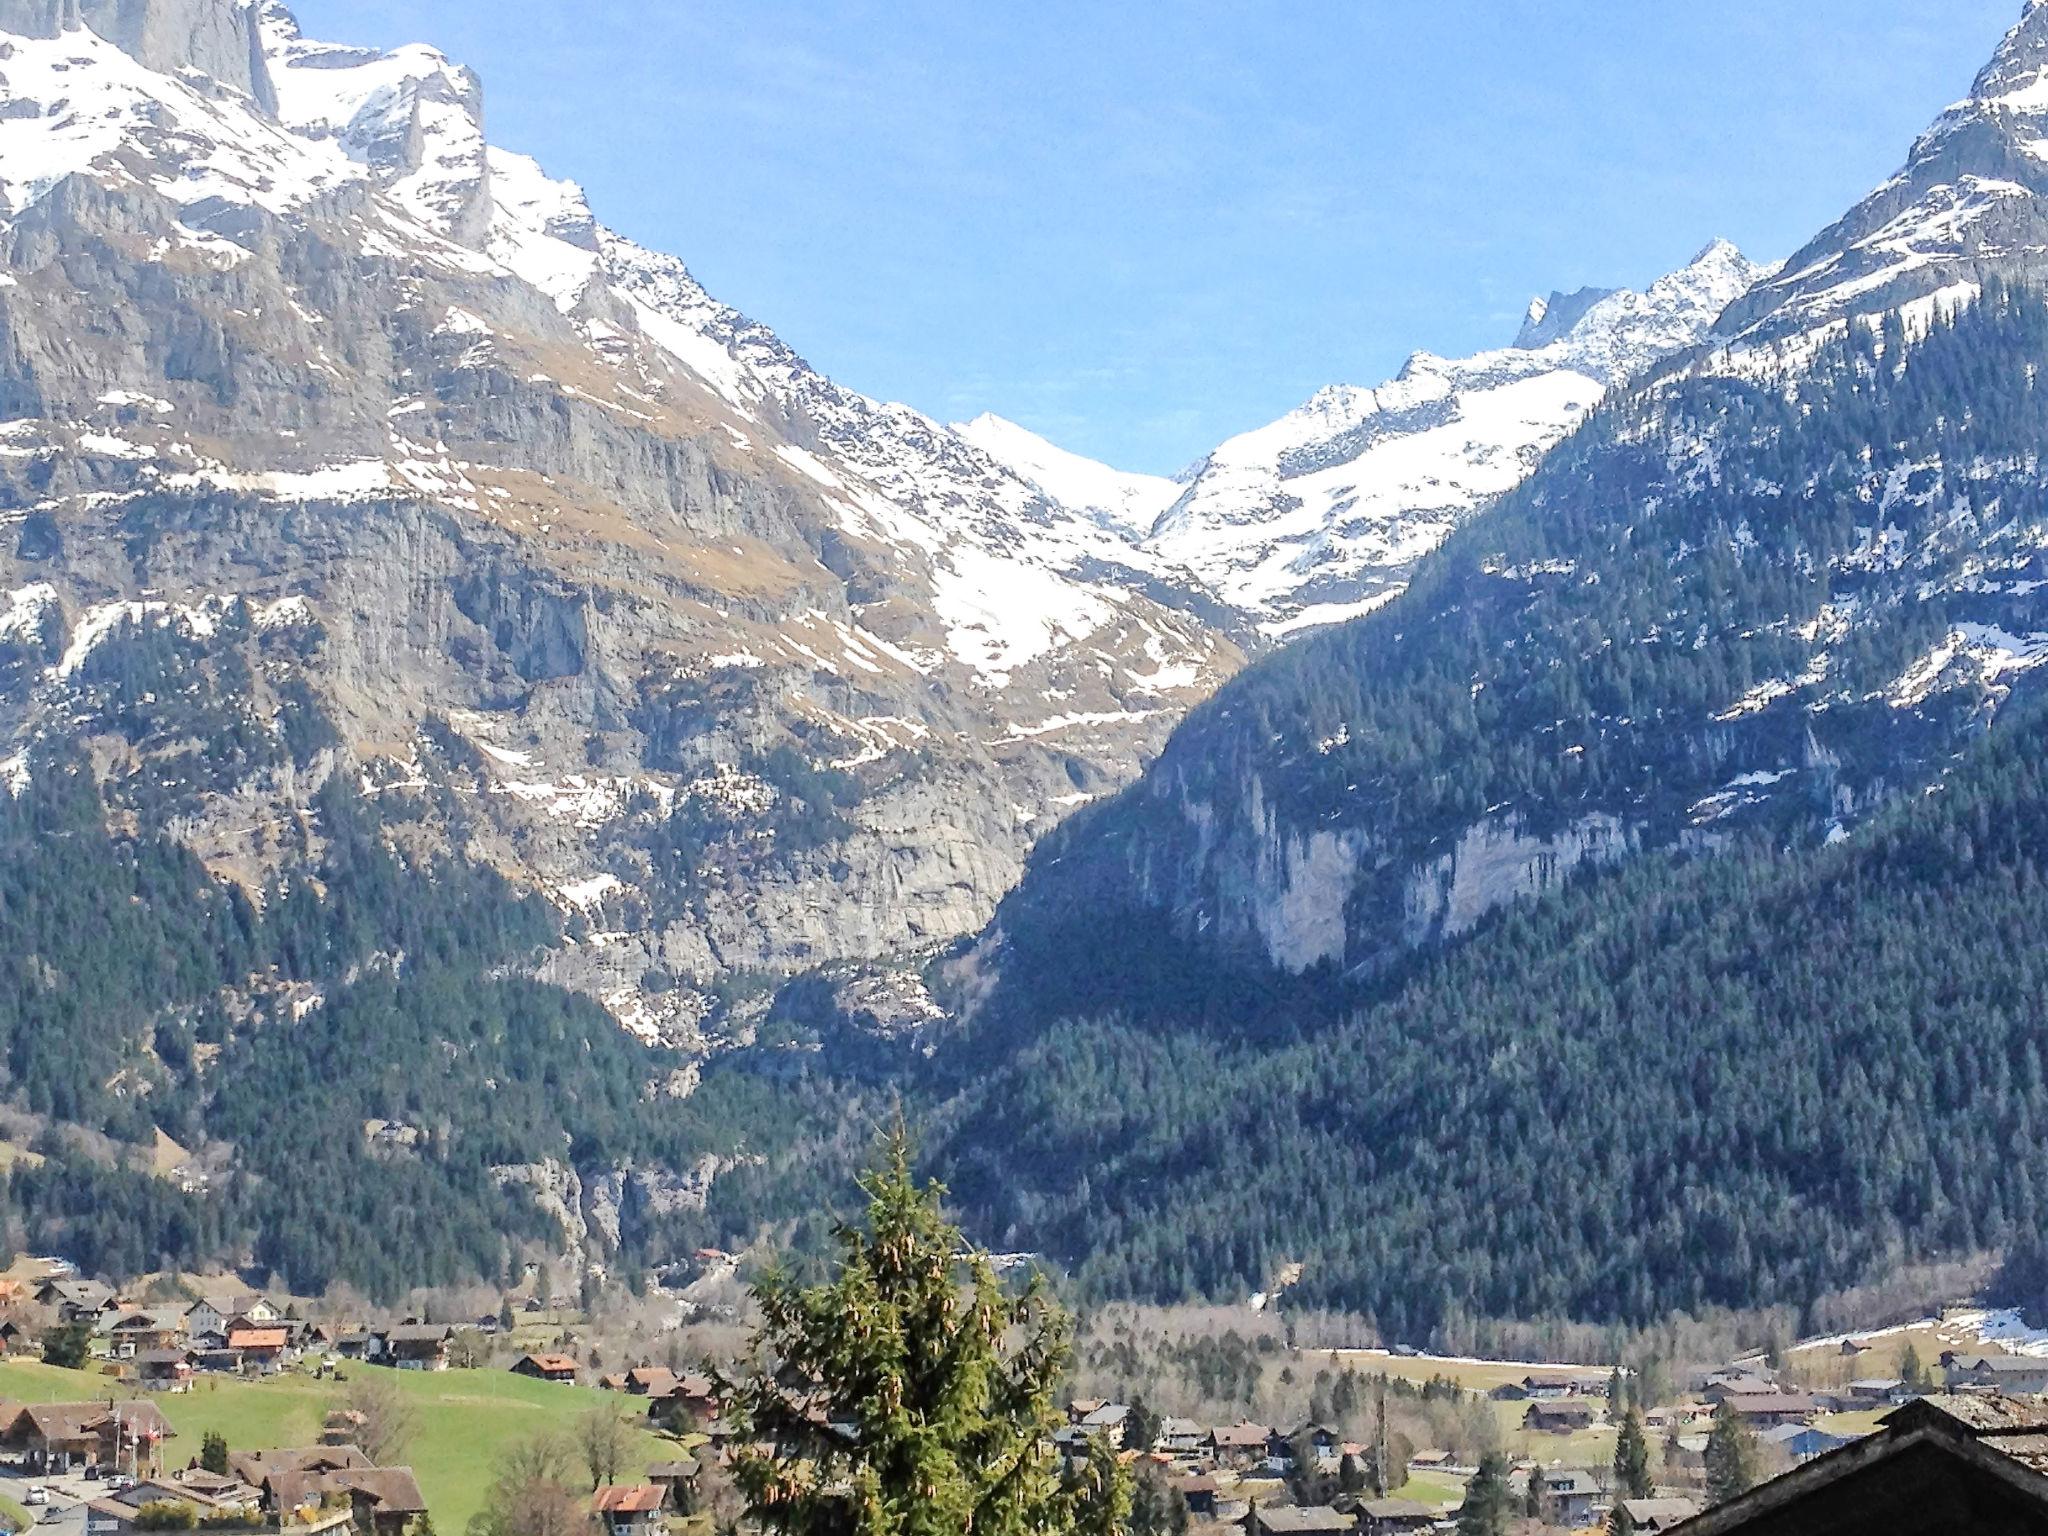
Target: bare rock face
[{"x": 215, "y": 38}]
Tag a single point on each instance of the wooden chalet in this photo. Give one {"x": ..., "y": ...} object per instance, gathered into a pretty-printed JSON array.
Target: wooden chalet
[{"x": 557, "y": 1368}]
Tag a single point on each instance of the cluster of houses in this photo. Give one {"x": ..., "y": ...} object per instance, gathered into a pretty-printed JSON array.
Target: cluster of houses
[
  {"x": 121, "y": 1446},
  {"x": 163, "y": 1347}
]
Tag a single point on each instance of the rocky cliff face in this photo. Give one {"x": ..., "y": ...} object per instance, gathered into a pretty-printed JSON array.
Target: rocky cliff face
[{"x": 367, "y": 423}]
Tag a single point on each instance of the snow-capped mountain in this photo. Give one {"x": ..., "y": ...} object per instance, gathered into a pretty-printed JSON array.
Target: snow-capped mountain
[
  {"x": 305, "y": 378},
  {"x": 1967, "y": 204},
  {"x": 1319, "y": 516},
  {"x": 1131, "y": 502}
]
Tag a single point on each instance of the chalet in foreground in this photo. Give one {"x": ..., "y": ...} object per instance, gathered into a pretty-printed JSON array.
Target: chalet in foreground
[{"x": 1939, "y": 1466}]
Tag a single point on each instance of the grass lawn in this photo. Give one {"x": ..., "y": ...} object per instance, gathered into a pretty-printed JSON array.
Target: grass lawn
[
  {"x": 15, "y": 1513},
  {"x": 465, "y": 1419},
  {"x": 1435, "y": 1489},
  {"x": 1472, "y": 1375}
]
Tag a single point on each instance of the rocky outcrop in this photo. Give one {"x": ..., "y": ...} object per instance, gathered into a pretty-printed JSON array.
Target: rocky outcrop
[{"x": 216, "y": 39}]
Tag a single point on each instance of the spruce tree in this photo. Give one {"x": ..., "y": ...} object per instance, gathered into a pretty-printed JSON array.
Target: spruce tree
[
  {"x": 1632, "y": 1459},
  {"x": 1731, "y": 1457},
  {"x": 1485, "y": 1510},
  {"x": 910, "y": 1394},
  {"x": 1912, "y": 1374}
]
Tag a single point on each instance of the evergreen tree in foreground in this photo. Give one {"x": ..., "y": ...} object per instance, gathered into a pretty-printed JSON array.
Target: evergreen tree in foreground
[
  {"x": 1731, "y": 1457},
  {"x": 910, "y": 1395}
]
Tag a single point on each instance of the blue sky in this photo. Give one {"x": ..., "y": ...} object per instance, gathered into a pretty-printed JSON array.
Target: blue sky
[{"x": 1141, "y": 227}]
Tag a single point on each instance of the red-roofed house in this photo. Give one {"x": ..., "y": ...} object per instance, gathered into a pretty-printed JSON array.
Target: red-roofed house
[
  {"x": 631, "y": 1510},
  {"x": 546, "y": 1368}
]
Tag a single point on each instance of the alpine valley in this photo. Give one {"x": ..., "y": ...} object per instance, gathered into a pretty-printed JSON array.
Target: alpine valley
[{"x": 463, "y": 683}]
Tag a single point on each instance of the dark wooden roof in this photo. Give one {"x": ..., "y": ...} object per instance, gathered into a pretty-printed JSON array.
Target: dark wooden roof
[{"x": 1938, "y": 1466}]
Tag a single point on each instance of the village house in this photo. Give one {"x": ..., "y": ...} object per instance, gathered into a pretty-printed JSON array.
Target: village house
[
  {"x": 1298, "y": 1520},
  {"x": 1109, "y": 1421},
  {"x": 636, "y": 1510},
  {"x": 2021, "y": 1375},
  {"x": 651, "y": 1381},
  {"x": 351, "y": 1344},
  {"x": 76, "y": 1301},
  {"x": 212, "y": 1501},
  {"x": 213, "y": 1313},
  {"x": 163, "y": 1370},
  {"x": 257, "y": 1468},
  {"x": 130, "y": 1330},
  {"x": 1322, "y": 1439},
  {"x": 1554, "y": 1418},
  {"x": 1239, "y": 1447},
  {"x": 557, "y": 1368},
  {"x": 344, "y": 1426},
  {"x": 260, "y": 1351},
  {"x": 1802, "y": 1442},
  {"x": 412, "y": 1347},
  {"x": 381, "y": 1501},
  {"x": 1571, "y": 1497},
  {"x": 1650, "y": 1517},
  {"x": 1538, "y": 1388},
  {"x": 299, "y": 1484},
  {"x": 1726, "y": 1384},
  {"x": 1393, "y": 1517},
  {"x": 678, "y": 1477},
  {"x": 59, "y": 1437},
  {"x": 1198, "y": 1493},
  {"x": 1767, "y": 1410},
  {"x": 1182, "y": 1438}
]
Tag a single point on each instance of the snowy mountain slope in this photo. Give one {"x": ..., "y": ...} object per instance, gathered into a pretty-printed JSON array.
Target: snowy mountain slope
[
  {"x": 1131, "y": 502},
  {"x": 753, "y": 672},
  {"x": 1318, "y": 516},
  {"x": 1967, "y": 204}
]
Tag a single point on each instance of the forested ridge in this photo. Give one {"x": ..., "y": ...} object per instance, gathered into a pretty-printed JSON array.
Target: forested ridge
[
  {"x": 141, "y": 993},
  {"x": 1736, "y": 1081},
  {"x": 1586, "y": 647}
]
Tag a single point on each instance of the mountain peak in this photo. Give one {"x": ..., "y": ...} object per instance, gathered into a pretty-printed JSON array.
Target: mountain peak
[
  {"x": 1548, "y": 319},
  {"x": 219, "y": 39},
  {"x": 1967, "y": 205}
]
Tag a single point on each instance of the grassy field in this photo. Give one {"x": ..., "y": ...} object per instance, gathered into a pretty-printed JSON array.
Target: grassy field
[
  {"x": 1432, "y": 1488},
  {"x": 465, "y": 1419},
  {"x": 1472, "y": 1375}
]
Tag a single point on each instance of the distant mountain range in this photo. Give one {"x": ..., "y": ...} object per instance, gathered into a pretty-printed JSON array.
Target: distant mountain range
[{"x": 1320, "y": 516}]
